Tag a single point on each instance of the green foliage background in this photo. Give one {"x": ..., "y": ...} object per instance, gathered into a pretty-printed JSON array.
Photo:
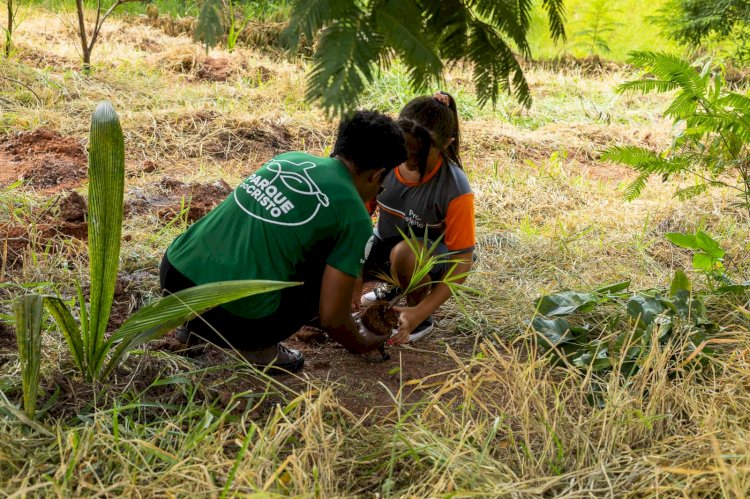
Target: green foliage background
[{"x": 636, "y": 32}]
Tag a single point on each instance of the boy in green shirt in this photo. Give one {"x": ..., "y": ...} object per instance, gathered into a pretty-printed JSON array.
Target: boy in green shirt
[{"x": 298, "y": 218}]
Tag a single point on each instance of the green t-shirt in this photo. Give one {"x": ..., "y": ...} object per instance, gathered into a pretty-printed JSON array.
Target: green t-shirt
[{"x": 296, "y": 212}]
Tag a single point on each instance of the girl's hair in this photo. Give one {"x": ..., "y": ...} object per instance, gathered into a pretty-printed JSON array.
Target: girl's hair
[{"x": 433, "y": 120}]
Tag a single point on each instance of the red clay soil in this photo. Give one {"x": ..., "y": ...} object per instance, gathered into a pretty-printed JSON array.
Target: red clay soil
[
  {"x": 44, "y": 158},
  {"x": 199, "y": 198}
]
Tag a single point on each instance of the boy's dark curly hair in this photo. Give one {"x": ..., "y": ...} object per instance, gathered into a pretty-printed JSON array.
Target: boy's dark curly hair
[{"x": 370, "y": 140}]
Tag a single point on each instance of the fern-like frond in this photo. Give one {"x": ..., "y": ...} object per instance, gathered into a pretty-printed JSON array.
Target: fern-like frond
[
  {"x": 636, "y": 187},
  {"x": 308, "y": 17},
  {"x": 495, "y": 66},
  {"x": 672, "y": 68},
  {"x": 691, "y": 192},
  {"x": 512, "y": 18},
  {"x": 684, "y": 105},
  {"x": 629, "y": 155},
  {"x": 647, "y": 86},
  {"x": 448, "y": 21},
  {"x": 556, "y": 18},
  {"x": 344, "y": 63},
  {"x": 401, "y": 25}
]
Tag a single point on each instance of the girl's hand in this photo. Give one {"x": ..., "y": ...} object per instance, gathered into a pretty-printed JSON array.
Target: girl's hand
[{"x": 408, "y": 320}]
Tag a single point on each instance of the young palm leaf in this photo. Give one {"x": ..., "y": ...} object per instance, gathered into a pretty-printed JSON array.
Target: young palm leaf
[
  {"x": 106, "y": 191},
  {"x": 157, "y": 318},
  {"x": 28, "y": 311}
]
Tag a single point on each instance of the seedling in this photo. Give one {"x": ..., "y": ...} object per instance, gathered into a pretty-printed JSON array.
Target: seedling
[{"x": 380, "y": 317}]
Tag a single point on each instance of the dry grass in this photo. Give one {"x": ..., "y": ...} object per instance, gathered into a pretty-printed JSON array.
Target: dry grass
[{"x": 500, "y": 423}]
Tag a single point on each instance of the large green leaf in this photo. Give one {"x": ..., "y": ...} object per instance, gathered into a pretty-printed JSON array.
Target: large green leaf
[
  {"x": 106, "y": 189},
  {"x": 614, "y": 288},
  {"x": 680, "y": 282},
  {"x": 163, "y": 315},
  {"x": 709, "y": 245},
  {"x": 554, "y": 332},
  {"x": 703, "y": 262},
  {"x": 645, "y": 308},
  {"x": 682, "y": 240},
  {"x": 28, "y": 313},
  {"x": 566, "y": 303}
]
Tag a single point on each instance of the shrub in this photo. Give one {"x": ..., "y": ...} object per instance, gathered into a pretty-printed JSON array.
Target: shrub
[{"x": 713, "y": 123}]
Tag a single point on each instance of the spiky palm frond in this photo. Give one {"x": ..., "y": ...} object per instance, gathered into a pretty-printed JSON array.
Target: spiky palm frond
[
  {"x": 308, "y": 17},
  {"x": 555, "y": 18},
  {"x": 424, "y": 34}
]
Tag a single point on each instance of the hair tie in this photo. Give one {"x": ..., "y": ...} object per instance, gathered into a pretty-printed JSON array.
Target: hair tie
[{"x": 443, "y": 97}]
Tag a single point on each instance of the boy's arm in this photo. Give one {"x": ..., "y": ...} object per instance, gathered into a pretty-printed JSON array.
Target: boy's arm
[{"x": 335, "y": 313}]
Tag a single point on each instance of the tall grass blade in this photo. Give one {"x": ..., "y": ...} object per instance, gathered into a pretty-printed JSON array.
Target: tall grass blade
[
  {"x": 163, "y": 315},
  {"x": 106, "y": 189},
  {"x": 28, "y": 311}
]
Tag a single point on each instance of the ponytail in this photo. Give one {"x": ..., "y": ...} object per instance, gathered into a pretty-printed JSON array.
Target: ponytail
[{"x": 451, "y": 151}]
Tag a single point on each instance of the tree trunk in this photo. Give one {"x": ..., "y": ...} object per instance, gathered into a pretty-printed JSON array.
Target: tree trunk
[
  {"x": 9, "y": 32},
  {"x": 85, "y": 48}
]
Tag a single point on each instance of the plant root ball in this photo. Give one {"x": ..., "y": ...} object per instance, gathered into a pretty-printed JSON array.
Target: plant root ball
[{"x": 380, "y": 318}]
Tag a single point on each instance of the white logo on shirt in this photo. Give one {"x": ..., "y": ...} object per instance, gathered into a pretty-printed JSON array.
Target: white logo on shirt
[{"x": 272, "y": 194}]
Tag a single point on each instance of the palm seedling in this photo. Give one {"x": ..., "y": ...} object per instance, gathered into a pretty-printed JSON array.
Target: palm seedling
[
  {"x": 380, "y": 316},
  {"x": 95, "y": 354},
  {"x": 28, "y": 312}
]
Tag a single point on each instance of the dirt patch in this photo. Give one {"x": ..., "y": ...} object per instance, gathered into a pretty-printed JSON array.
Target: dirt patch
[
  {"x": 43, "y": 158},
  {"x": 199, "y": 67},
  {"x": 73, "y": 207},
  {"x": 589, "y": 65},
  {"x": 198, "y": 198},
  {"x": 16, "y": 240},
  {"x": 34, "y": 57},
  {"x": 363, "y": 382}
]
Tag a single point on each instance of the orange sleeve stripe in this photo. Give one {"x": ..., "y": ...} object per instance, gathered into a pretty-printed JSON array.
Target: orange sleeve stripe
[{"x": 459, "y": 223}]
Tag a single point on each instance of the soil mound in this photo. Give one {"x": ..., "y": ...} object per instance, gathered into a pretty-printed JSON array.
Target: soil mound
[
  {"x": 73, "y": 208},
  {"x": 198, "y": 198},
  {"x": 42, "y": 157},
  {"x": 199, "y": 67}
]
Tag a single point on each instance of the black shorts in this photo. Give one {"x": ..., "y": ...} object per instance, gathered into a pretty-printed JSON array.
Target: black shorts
[
  {"x": 299, "y": 305},
  {"x": 379, "y": 259}
]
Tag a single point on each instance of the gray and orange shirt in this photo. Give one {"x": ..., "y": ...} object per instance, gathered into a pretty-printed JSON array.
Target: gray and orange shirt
[{"x": 441, "y": 203}]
